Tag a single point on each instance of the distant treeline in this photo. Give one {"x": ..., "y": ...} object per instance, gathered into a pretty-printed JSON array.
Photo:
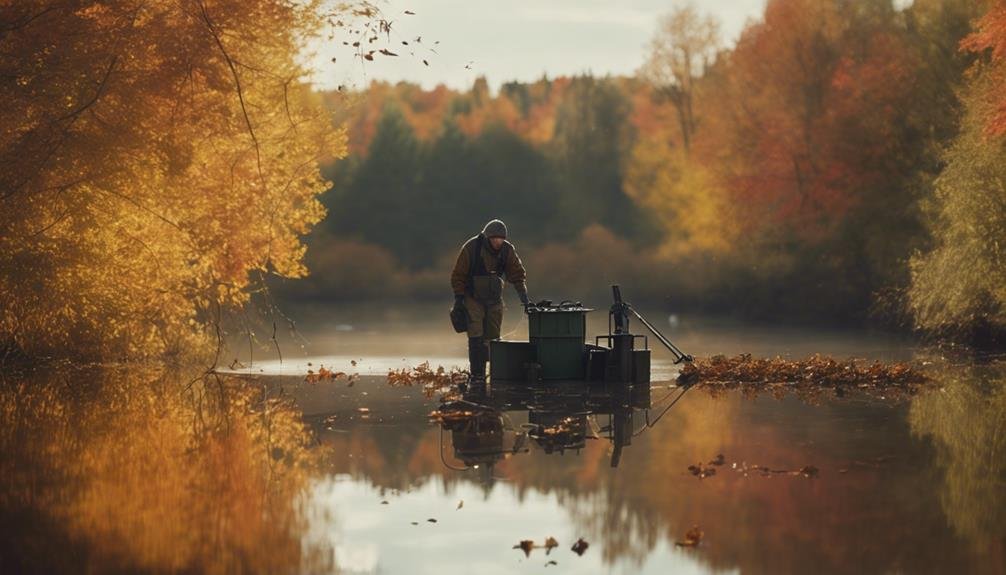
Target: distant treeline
[{"x": 841, "y": 162}]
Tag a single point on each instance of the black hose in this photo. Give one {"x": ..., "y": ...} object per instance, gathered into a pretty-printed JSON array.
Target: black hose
[{"x": 679, "y": 355}]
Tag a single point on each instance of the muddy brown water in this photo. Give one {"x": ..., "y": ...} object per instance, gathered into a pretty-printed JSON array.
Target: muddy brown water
[{"x": 117, "y": 470}]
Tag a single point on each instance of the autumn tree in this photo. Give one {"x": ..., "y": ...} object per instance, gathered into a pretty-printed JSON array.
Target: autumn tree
[
  {"x": 817, "y": 135},
  {"x": 958, "y": 286},
  {"x": 681, "y": 50},
  {"x": 156, "y": 158},
  {"x": 662, "y": 173}
]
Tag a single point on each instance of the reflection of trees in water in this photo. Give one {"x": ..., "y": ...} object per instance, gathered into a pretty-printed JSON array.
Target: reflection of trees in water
[
  {"x": 966, "y": 420},
  {"x": 124, "y": 470},
  {"x": 625, "y": 531},
  {"x": 882, "y": 514},
  {"x": 628, "y": 511}
]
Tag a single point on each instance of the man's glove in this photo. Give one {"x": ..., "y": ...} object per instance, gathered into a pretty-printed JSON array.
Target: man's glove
[{"x": 524, "y": 300}]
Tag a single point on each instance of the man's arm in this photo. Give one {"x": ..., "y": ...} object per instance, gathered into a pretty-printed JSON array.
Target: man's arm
[
  {"x": 516, "y": 274},
  {"x": 459, "y": 277}
]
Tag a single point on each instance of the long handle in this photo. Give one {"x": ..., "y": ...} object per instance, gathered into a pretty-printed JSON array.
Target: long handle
[{"x": 678, "y": 354}]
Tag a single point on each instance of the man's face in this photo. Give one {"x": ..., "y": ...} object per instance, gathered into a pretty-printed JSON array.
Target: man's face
[{"x": 496, "y": 243}]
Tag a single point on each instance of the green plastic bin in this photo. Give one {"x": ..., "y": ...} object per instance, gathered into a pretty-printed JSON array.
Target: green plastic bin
[
  {"x": 558, "y": 333},
  {"x": 508, "y": 359}
]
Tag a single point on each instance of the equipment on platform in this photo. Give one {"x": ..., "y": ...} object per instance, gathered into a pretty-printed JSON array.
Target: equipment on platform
[{"x": 556, "y": 349}]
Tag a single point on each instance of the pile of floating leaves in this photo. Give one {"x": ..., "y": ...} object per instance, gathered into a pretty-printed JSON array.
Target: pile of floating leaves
[
  {"x": 325, "y": 374},
  {"x": 567, "y": 433},
  {"x": 458, "y": 415},
  {"x": 709, "y": 469},
  {"x": 432, "y": 380},
  {"x": 807, "y": 377}
]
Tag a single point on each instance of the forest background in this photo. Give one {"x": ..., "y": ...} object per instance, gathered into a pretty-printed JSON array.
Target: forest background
[{"x": 815, "y": 171}]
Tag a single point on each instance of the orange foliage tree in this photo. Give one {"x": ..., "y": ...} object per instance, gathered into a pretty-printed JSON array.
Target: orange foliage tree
[
  {"x": 809, "y": 116},
  {"x": 155, "y": 157}
]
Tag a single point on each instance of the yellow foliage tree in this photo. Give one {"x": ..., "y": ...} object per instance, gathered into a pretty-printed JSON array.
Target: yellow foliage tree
[
  {"x": 155, "y": 157},
  {"x": 690, "y": 205}
]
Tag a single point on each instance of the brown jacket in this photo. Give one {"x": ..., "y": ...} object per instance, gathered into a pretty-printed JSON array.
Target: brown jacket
[{"x": 513, "y": 268}]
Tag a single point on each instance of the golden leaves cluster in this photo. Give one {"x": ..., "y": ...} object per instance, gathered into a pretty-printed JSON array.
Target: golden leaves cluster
[{"x": 155, "y": 157}]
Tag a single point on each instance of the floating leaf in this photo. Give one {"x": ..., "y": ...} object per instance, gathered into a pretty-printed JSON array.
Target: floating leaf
[
  {"x": 526, "y": 546},
  {"x": 692, "y": 537},
  {"x": 701, "y": 471},
  {"x": 580, "y": 546}
]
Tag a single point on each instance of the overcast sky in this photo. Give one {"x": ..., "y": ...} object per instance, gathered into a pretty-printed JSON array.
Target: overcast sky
[{"x": 515, "y": 39}]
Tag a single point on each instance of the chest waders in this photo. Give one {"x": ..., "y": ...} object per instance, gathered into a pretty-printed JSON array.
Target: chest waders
[{"x": 485, "y": 287}]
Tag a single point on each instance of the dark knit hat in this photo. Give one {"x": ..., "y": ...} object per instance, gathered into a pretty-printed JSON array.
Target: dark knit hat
[{"x": 494, "y": 229}]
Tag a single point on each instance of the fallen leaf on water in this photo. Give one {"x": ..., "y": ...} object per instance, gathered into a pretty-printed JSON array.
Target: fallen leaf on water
[
  {"x": 580, "y": 546},
  {"x": 700, "y": 471},
  {"x": 526, "y": 545},
  {"x": 719, "y": 460},
  {"x": 384, "y": 503},
  {"x": 460, "y": 504},
  {"x": 550, "y": 544},
  {"x": 809, "y": 471},
  {"x": 552, "y": 562},
  {"x": 432, "y": 520},
  {"x": 692, "y": 537}
]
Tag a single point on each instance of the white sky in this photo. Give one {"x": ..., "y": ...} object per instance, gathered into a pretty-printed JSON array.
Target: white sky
[{"x": 515, "y": 39}]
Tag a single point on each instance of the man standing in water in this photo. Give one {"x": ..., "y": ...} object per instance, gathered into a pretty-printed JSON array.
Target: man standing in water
[{"x": 477, "y": 281}]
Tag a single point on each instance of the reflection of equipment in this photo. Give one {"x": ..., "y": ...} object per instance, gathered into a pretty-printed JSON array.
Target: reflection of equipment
[
  {"x": 480, "y": 435},
  {"x": 556, "y": 349},
  {"x": 562, "y": 417}
]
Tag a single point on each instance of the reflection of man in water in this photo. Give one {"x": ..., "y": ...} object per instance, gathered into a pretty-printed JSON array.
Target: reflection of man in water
[{"x": 485, "y": 260}]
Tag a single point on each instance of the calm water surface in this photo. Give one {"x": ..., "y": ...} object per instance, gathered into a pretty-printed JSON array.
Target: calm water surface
[{"x": 110, "y": 470}]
